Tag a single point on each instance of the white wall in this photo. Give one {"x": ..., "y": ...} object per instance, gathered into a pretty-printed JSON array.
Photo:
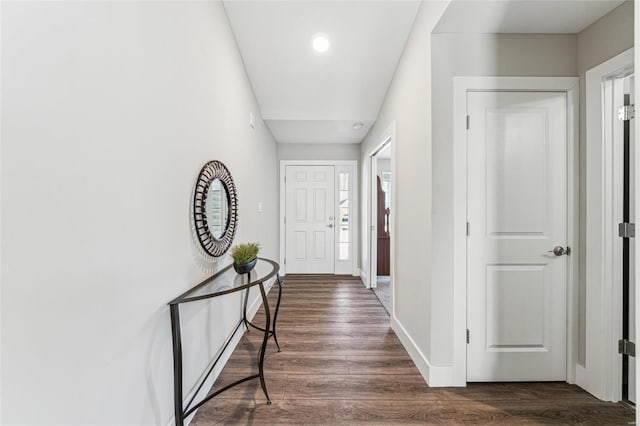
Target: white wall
[
  {"x": 473, "y": 55},
  {"x": 308, "y": 151},
  {"x": 408, "y": 104},
  {"x": 109, "y": 109},
  {"x": 601, "y": 41}
]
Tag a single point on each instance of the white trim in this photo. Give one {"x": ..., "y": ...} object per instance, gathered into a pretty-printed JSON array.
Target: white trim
[
  {"x": 393, "y": 208},
  {"x": 636, "y": 160},
  {"x": 1, "y": 341},
  {"x": 573, "y": 231},
  {"x": 602, "y": 372},
  {"x": 363, "y": 275},
  {"x": 387, "y": 137},
  {"x": 354, "y": 248},
  {"x": 373, "y": 221},
  {"x": 462, "y": 85},
  {"x": 434, "y": 375}
]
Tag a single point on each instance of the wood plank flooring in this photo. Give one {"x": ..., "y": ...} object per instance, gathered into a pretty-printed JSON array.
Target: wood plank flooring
[{"x": 341, "y": 364}]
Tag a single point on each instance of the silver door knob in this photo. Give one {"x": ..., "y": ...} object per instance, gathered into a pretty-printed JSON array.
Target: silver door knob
[
  {"x": 559, "y": 250},
  {"x": 329, "y": 225}
]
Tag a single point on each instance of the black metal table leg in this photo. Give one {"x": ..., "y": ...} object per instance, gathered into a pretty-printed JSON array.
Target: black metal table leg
[
  {"x": 275, "y": 315},
  {"x": 272, "y": 331},
  {"x": 177, "y": 365},
  {"x": 180, "y": 410},
  {"x": 246, "y": 302},
  {"x": 263, "y": 349}
]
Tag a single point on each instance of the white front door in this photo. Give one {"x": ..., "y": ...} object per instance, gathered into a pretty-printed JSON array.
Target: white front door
[
  {"x": 309, "y": 219},
  {"x": 517, "y": 214}
]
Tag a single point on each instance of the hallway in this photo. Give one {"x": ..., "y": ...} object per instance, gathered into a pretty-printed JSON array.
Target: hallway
[{"x": 342, "y": 364}]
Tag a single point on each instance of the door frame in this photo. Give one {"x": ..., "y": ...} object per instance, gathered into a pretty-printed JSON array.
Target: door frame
[
  {"x": 352, "y": 167},
  {"x": 373, "y": 213},
  {"x": 372, "y": 247},
  {"x": 462, "y": 85},
  {"x": 602, "y": 372},
  {"x": 368, "y": 180}
]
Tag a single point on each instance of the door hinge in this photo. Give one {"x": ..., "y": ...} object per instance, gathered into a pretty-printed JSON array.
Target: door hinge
[
  {"x": 467, "y": 335},
  {"x": 285, "y": 261},
  {"x": 626, "y": 112},
  {"x": 285, "y": 220},
  {"x": 468, "y": 229},
  {"x": 626, "y": 347},
  {"x": 468, "y": 120},
  {"x": 627, "y": 230}
]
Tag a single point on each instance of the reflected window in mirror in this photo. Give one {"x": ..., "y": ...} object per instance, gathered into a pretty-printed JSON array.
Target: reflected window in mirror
[{"x": 217, "y": 207}]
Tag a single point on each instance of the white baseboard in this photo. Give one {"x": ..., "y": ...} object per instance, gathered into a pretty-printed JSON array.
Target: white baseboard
[
  {"x": 584, "y": 381},
  {"x": 363, "y": 277},
  {"x": 251, "y": 312},
  {"x": 434, "y": 375}
]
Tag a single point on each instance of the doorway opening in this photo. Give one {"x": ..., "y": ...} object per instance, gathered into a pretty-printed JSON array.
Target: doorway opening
[
  {"x": 318, "y": 217},
  {"x": 512, "y": 247},
  {"x": 618, "y": 125},
  {"x": 606, "y": 367},
  {"x": 517, "y": 236},
  {"x": 381, "y": 208}
]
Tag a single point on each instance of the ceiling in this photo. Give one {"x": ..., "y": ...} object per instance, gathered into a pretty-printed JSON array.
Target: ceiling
[
  {"x": 310, "y": 97},
  {"x": 523, "y": 16}
]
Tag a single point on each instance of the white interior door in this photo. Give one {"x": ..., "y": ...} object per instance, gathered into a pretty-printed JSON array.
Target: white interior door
[
  {"x": 309, "y": 219},
  {"x": 517, "y": 214}
]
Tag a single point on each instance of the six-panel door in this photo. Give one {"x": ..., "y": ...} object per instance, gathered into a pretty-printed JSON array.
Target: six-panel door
[{"x": 310, "y": 221}]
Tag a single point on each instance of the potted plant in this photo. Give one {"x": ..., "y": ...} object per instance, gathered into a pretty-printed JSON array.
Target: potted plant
[{"x": 245, "y": 257}]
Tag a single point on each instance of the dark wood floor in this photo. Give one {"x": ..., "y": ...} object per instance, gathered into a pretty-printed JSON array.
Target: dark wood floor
[{"x": 342, "y": 364}]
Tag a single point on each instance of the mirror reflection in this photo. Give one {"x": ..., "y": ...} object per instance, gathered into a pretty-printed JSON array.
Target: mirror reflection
[{"x": 217, "y": 208}]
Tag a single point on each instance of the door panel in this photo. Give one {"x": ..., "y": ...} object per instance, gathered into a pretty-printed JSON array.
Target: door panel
[
  {"x": 300, "y": 199},
  {"x": 300, "y": 245},
  {"x": 516, "y": 171},
  {"x": 517, "y": 211},
  {"x": 513, "y": 292},
  {"x": 320, "y": 205},
  {"x": 309, "y": 212}
]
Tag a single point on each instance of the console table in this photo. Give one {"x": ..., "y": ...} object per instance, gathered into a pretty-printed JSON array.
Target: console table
[{"x": 224, "y": 282}]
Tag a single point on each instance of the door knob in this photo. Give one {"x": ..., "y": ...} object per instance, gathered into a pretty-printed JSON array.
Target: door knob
[
  {"x": 329, "y": 225},
  {"x": 559, "y": 251}
]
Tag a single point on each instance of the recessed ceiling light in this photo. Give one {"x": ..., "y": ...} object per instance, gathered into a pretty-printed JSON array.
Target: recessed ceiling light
[
  {"x": 320, "y": 43},
  {"x": 358, "y": 125}
]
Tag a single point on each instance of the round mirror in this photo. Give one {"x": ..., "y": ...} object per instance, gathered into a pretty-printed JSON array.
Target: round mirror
[{"x": 217, "y": 208}]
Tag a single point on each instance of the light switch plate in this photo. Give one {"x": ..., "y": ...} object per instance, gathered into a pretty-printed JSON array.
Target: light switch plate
[{"x": 252, "y": 120}]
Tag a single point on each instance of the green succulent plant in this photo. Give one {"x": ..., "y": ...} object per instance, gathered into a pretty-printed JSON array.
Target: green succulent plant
[{"x": 245, "y": 253}]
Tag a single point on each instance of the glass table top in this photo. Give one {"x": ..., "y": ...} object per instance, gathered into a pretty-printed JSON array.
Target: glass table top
[{"x": 228, "y": 280}]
